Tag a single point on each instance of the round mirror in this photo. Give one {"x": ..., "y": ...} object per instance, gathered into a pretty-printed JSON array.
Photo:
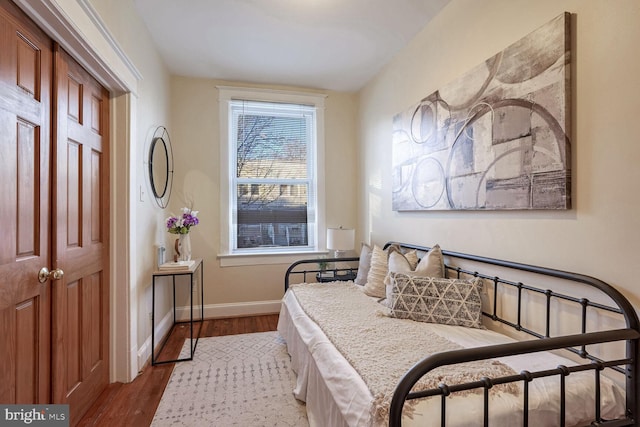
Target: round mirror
[{"x": 161, "y": 166}]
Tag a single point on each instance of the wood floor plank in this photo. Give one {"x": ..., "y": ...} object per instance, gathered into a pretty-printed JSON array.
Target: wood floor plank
[
  {"x": 250, "y": 323},
  {"x": 135, "y": 403}
]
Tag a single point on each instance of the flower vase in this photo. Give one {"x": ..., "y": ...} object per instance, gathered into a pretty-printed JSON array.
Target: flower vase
[{"x": 184, "y": 247}]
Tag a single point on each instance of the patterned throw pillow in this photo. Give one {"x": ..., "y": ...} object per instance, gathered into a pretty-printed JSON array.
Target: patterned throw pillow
[{"x": 436, "y": 300}]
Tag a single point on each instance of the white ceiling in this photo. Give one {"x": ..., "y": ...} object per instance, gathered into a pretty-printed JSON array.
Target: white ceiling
[{"x": 325, "y": 44}]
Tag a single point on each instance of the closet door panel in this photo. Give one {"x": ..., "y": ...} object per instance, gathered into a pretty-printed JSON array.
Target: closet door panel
[
  {"x": 25, "y": 195},
  {"x": 81, "y": 300}
]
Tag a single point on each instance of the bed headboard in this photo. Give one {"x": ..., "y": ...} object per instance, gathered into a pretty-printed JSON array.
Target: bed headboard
[{"x": 623, "y": 306}]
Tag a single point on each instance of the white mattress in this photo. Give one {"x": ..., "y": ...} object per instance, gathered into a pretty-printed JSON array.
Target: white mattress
[{"x": 335, "y": 395}]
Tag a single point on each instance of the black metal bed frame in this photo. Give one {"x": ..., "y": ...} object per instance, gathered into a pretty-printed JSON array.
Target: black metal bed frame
[
  {"x": 292, "y": 270},
  {"x": 576, "y": 343}
]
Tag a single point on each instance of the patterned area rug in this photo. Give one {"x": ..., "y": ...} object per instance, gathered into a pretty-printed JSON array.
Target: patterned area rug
[{"x": 234, "y": 380}]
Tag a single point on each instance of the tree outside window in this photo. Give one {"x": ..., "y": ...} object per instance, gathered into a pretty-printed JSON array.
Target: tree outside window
[{"x": 273, "y": 144}]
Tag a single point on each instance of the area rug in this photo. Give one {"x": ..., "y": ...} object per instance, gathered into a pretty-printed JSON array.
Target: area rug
[{"x": 234, "y": 380}]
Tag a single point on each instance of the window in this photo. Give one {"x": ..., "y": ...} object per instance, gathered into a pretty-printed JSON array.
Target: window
[{"x": 271, "y": 142}]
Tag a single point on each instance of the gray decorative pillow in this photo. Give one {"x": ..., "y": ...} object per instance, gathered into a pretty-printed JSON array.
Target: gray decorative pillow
[
  {"x": 436, "y": 300},
  {"x": 364, "y": 265}
]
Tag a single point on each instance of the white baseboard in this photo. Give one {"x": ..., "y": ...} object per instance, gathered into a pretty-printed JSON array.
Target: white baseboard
[
  {"x": 211, "y": 311},
  {"x": 162, "y": 329}
]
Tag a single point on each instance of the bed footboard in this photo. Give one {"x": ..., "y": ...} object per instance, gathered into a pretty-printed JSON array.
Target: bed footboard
[{"x": 403, "y": 390}]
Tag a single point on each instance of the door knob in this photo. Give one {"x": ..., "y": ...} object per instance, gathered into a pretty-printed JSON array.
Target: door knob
[{"x": 44, "y": 274}]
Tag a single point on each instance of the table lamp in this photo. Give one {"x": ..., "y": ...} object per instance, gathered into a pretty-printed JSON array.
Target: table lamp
[{"x": 340, "y": 240}]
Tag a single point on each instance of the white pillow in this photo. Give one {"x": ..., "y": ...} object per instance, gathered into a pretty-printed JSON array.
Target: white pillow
[
  {"x": 364, "y": 265},
  {"x": 401, "y": 263},
  {"x": 431, "y": 265},
  {"x": 375, "y": 286}
]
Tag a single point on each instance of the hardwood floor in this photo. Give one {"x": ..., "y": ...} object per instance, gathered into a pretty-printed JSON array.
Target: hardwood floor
[{"x": 135, "y": 403}]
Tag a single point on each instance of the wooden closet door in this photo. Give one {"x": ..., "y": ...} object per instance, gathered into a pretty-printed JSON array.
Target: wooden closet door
[
  {"x": 25, "y": 82},
  {"x": 80, "y": 310}
]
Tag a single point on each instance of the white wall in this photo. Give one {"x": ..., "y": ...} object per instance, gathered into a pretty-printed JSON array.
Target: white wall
[
  {"x": 189, "y": 109},
  {"x": 152, "y": 101},
  {"x": 600, "y": 235},
  {"x": 196, "y": 139}
]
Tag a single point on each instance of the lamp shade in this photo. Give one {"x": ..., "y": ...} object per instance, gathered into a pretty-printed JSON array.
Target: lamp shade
[{"x": 340, "y": 239}]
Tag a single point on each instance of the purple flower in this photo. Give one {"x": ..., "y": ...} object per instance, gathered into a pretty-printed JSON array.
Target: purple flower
[
  {"x": 182, "y": 224},
  {"x": 189, "y": 220}
]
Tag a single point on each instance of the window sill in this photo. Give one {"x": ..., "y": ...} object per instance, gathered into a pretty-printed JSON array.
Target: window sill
[{"x": 247, "y": 259}]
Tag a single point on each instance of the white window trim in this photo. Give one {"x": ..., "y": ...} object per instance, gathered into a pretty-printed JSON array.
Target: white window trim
[{"x": 226, "y": 94}]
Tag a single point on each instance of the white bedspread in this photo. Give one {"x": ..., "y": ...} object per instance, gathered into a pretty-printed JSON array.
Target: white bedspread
[{"x": 336, "y": 395}]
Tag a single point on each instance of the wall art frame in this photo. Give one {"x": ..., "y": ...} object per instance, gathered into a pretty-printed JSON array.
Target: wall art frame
[{"x": 496, "y": 138}]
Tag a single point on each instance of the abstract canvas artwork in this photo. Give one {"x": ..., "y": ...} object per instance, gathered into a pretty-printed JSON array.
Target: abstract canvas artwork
[{"x": 498, "y": 137}]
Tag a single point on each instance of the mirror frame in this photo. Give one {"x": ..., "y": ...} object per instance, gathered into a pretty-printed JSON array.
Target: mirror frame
[{"x": 161, "y": 140}]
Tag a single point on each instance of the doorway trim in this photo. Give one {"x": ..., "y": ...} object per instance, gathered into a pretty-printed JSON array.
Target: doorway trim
[{"x": 77, "y": 27}]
